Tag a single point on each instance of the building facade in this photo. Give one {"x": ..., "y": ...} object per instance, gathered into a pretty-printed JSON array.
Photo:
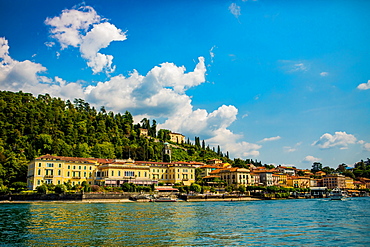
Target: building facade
[
  {"x": 110, "y": 172},
  {"x": 234, "y": 175},
  {"x": 177, "y": 138}
]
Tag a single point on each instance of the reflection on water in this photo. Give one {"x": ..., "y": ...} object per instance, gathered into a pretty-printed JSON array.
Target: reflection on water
[{"x": 287, "y": 222}]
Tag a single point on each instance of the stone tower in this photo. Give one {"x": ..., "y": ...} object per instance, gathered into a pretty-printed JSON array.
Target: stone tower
[{"x": 166, "y": 152}]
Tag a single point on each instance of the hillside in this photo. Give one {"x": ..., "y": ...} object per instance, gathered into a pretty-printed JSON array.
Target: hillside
[{"x": 33, "y": 126}]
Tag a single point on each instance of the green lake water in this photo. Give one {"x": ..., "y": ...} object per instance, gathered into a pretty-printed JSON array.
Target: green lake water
[{"x": 312, "y": 222}]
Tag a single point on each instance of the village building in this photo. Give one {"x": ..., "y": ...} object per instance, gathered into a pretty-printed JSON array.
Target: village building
[
  {"x": 234, "y": 175},
  {"x": 334, "y": 180},
  {"x": 143, "y": 132},
  {"x": 298, "y": 181},
  {"x": 291, "y": 171},
  {"x": 177, "y": 138},
  {"x": 56, "y": 170}
]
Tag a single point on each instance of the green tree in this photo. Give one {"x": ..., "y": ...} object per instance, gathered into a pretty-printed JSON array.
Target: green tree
[
  {"x": 60, "y": 189},
  {"x": 195, "y": 187},
  {"x": 242, "y": 189},
  {"x": 42, "y": 189}
]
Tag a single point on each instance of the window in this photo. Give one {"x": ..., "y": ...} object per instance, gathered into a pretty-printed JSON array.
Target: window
[
  {"x": 74, "y": 167},
  {"x": 129, "y": 174},
  {"x": 59, "y": 172},
  {"x": 60, "y": 165},
  {"x": 39, "y": 164},
  {"x": 49, "y": 165},
  {"x": 38, "y": 182},
  {"x": 84, "y": 167},
  {"x": 139, "y": 174},
  {"x": 68, "y": 174},
  {"x": 39, "y": 172},
  {"x": 85, "y": 174},
  {"x": 69, "y": 167},
  {"x": 90, "y": 168},
  {"x": 112, "y": 173},
  {"x": 58, "y": 181},
  {"x": 79, "y": 167}
]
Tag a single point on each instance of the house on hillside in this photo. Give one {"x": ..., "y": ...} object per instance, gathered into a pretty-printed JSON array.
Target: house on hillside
[{"x": 177, "y": 137}]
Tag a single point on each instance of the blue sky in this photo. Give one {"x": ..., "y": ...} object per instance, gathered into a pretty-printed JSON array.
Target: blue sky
[{"x": 284, "y": 82}]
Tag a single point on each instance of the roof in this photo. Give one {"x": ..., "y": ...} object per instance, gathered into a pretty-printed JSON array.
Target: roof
[
  {"x": 166, "y": 189},
  {"x": 70, "y": 159}
]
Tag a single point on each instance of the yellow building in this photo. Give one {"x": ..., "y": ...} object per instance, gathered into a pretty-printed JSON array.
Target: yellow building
[
  {"x": 177, "y": 138},
  {"x": 298, "y": 182},
  {"x": 234, "y": 175},
  {"x": 55, "y": 170},
  {"x": 349, "y": 183},
  {"x": 119, "y": 172},
  {"x": 173, "y": 172}
]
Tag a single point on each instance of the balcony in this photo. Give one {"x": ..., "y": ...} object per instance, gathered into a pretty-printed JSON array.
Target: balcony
[
  {"x": 76, "y": 177},
  {"x": 48, "y": 176}
]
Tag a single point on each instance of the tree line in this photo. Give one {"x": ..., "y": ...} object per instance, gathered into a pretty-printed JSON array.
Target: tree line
[{"x": 33, "y": 126}]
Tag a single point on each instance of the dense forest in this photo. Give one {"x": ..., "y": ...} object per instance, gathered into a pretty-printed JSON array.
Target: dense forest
[{"x": 33, "y": 126}]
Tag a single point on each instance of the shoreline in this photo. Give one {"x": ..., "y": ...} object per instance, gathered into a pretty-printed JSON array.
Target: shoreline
[{"x": 128, "y": 201}]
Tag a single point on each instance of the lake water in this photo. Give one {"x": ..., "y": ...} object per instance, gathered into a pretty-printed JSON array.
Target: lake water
[{"x": 313, "y": 222}]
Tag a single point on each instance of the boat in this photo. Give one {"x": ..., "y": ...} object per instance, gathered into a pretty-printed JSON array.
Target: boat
[
  {"x": 163, "y": 199},
  {"x": 337, "y": 194}
]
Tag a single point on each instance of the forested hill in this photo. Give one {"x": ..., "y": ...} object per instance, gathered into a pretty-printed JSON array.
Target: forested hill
[{"x": 32, "y": 126}]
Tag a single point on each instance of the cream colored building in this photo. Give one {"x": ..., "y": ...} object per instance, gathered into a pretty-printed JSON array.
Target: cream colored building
[
  {"x": 177, "y": 138},
  {"x": 55, "y": 170},
  {"x": 234, "y": 175}
]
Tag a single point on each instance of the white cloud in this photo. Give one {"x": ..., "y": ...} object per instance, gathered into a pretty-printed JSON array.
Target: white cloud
[
  {"x": 235, "y": 10},
  {"x": 15, "y": 74},
  {"x": 85, "y": 29},
  {"x": 324, "y": 73},
  {"x": 211, "y": 53},
  {"x": 292, "y": 149},
  {"x": 310, "y": 159},
  {"x": 25, "y": 76},
  {"x": 339, "y": 139},
  {"x": 291, "y": 66},
  {"x": 289, "y": 149},
  {"x": 275, "y": 138},
  {"x": 159, "y": 94},
  {"x": 49, "y": 44},
  {"x": 367, "y": 146},
  {"x": 364, "y": 86}
]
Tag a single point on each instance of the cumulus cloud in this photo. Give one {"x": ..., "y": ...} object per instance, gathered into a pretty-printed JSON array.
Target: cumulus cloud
[
  {"x": 339, "y": 139},
  {"x": 235, "y": 10},
  {"x": 275, "y": 138},
  {"x": 367, "y": 146},
  {"x": 161, "y": 93},
  {"x": 324, "y": 74},
  {"x": 85, "y": 29},
  {"x": 15, "y": 74},
  {"x": 364, "y": 86},
  {"x": 310, "y": 159}
]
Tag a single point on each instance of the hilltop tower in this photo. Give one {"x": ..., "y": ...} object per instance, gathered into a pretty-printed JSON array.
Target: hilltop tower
[{"x": 166, "y": 154}]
